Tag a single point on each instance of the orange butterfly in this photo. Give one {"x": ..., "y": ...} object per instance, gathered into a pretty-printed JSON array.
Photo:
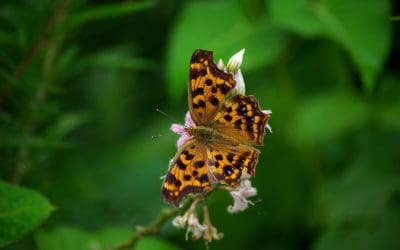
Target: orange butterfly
[{"x": 215, "y": 143}]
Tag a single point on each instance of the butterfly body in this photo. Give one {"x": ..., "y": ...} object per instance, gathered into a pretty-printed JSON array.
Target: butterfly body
[
  {"x": 207, "y": 136},
  {"x": 219, "y": 133},
  {"x": 203, "y": 134}
]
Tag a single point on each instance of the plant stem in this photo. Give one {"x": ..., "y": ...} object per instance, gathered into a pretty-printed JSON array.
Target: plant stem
[
  {"x": 154, "y": 227},
  {"x": 21, "y": 166},
  {"x": 41, "y": 40}
]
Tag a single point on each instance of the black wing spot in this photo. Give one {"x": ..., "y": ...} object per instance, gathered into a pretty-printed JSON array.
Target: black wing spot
[
  {"x": 198, "y": 91},
  {"x": 170, "y": 178},
  {"x": 193, "y": 74},
  {"x": 219, "y": 157},
  {"x": 237, "y": 123},
  {"x": 203, "y": 178},
  {"x": 230, "y": 157},
  {"x": 201, "y": 103},
  {"x": 214, "y": 101},
  {"x": 228, "y": 118},
  {"x": 242, "y": 110},
  {"x": 228, "y": 170},
  {"x": 180, "y": 164},
  {"x": 203, "y": 72},
  {"x": 238, "y": 165},
  {"x": 199, "y": 164},
  {"x": 189, "y": 156},
  {"x": 224, "y": 89}
]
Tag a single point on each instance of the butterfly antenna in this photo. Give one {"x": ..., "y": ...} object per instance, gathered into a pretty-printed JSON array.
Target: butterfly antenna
[
  {"x": 157, "y": 136},
  {"x": 169, "y": 117},
  {"x": 166, "y": 115}
]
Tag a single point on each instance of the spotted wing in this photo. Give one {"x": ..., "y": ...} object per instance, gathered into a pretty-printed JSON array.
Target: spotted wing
[
  {"x": 227, "y": 163},
  {"x": 241, "y": 119},
  {"x": 208, "y": 87},
  {"x": 188, "y": 173}
]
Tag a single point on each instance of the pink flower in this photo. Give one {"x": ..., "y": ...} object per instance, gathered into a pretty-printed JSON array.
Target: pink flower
[{"x": 182, "y": 130}]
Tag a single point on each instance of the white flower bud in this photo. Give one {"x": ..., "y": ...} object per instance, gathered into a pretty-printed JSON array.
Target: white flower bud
[
  {"x": 268, "y": 112},
  {"x": 220, "y": 64},
  {"x": 240, "y": 87},
  {"x": 235, "y": 62}
]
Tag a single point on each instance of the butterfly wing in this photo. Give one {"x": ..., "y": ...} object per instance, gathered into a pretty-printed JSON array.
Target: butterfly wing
[
  {"x": 208, "y": 87},
  {"x": 239, "y": 122},
  {"x": 188, "y": 173},
  {"x": 227, "y": 163},
  {"x": 241, "y": 119},
  {"x": 197, "y": 167}
]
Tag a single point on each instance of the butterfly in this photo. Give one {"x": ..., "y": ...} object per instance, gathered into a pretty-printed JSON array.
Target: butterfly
[{"x": 221, "y": 130}]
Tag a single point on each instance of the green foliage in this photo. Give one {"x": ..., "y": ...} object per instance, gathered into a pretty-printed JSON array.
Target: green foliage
[
  {"x": 329, "y": 127},
  {"x": 361, "y": 27},
  {"x": 108, "y": 11},
  {"x": 221, "y": 27},
  {"x": 80, "y": 82},
  {"x": 21, "y": 210},
  {"x": 66, "y": 238}
]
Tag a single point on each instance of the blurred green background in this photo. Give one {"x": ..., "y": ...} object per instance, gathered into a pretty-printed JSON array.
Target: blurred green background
[{"x": 80, "y": 82}]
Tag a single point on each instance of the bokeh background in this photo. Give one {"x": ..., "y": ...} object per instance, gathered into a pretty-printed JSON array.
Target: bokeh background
[{"x": 80, "y": 82}]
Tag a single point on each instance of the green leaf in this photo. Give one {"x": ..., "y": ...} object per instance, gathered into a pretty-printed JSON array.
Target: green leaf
[
  {"x": 117, "y": 57},
  {"x": 325, "y": 117},
  {"x": 381, "y": 234},
  {"x": 362, "y": 193},
  {"x": 389, "y": 107},
  {"x": 361, "y": 27},
  {"x": 21, "y": 210},
  {"x": 111, "y": 237},
  {"x": 150, "y": 243},
  {"x": 297, "y": 16},
  {"x": 106, "y": 11},
  {"x": 221, "y": 27},
  {"x": 65, "y": 124},
  {"x": 389, "y": 117},
  {"x": 67, "y": 238}
]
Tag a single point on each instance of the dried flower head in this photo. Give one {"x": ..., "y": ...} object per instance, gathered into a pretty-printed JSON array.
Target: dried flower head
[
  {"x": 190, "y": 220},
  {"x": 240, "y": 195}
]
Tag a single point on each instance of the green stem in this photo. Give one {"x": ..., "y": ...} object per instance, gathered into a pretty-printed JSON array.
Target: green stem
[
  {"x": 21, "y": 165},
  {"x": 155, "y": 227},
  {"x": 41, "y": 40}
]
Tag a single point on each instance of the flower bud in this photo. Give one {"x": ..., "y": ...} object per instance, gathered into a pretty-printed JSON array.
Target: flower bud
[
  {"x": 235, "y": 62},
  {"x": 220, "y": 64}
]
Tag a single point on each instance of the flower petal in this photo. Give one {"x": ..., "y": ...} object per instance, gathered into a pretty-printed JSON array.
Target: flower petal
[
  {"x": 240, "y": 87},
  {"x": 189, "y": 123},
  {"x": 178, "y": 128}
]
